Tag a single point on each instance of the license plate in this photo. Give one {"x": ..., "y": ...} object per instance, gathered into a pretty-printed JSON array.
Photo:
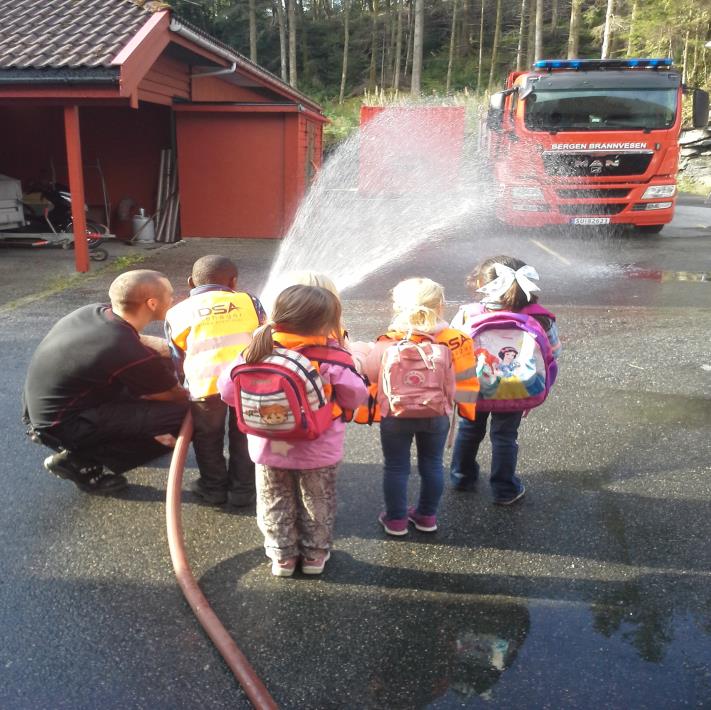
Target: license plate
[{"x": 590, "y": 220}]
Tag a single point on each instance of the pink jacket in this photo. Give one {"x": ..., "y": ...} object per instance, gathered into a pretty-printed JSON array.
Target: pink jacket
[{"x": 327, "y": 450}]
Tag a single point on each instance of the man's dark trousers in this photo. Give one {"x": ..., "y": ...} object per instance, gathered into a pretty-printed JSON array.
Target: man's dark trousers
[{"x": 120, "y": 434}]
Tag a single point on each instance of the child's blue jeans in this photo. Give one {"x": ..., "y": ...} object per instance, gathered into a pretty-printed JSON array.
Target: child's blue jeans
[
  {"x": 503, "y": 433},
  {"x": 396, "y": 437}
]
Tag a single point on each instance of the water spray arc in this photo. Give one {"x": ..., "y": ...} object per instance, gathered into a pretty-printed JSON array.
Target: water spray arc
[{"x": 396, "y": 183}]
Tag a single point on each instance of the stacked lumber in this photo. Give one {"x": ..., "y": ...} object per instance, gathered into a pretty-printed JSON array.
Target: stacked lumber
[{"x": 168, "y": 201}]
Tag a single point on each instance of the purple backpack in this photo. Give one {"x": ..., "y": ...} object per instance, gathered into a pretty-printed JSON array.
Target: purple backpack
[{"x": 514, "y": 358}]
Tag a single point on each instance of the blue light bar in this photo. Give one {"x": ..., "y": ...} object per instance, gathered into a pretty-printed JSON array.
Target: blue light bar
[{"x": 588, "y": 64}]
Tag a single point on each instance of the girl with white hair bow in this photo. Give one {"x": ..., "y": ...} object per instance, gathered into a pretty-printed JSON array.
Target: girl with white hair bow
[{"x": 503, "y": 283}]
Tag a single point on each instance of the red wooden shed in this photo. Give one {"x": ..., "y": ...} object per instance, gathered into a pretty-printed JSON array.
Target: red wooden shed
[{"x": 91, "y": 92}]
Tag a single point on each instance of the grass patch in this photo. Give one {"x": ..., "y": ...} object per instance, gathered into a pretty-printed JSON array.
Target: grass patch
[
  {"x": 686, "y": 184},
  {"x": 124, "y": 262},
  {"x": 64, "y": 283}
]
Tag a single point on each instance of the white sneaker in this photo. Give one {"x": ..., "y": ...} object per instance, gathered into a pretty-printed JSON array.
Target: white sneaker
[
  {"x": 284, "y": 568},
  {"x": 315, "y": 565}
]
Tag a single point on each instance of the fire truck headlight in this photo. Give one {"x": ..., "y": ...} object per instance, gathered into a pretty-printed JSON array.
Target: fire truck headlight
[
  {"x": 658, "y": 205},
  {"x": 656, "y": 191},
  {"x": 527, "y": 193}
]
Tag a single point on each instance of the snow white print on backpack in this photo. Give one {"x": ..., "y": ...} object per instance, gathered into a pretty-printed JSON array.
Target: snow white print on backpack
[{"x": 516, "y": 363}]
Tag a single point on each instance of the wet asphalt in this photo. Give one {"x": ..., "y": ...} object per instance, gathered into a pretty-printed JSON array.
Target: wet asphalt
[{"x": 594, "y": 592}]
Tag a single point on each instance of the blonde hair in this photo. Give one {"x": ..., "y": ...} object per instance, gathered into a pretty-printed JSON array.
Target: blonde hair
[
  {"x": 416, "y": 305},
  {"x": 303, "y": 310},
  {"x": 314, "y": 278}
]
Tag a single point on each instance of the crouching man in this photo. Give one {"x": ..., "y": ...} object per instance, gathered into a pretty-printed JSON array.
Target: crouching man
[{"x": 102, "y": 395}]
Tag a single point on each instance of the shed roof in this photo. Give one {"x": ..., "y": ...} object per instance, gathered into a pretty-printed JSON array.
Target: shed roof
[
  {"x": 81, "y": 41},
  {"x": 37, "y": 34}
]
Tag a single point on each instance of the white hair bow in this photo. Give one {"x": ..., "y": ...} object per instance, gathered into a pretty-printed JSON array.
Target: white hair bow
[{"x": 505, "y": 276}]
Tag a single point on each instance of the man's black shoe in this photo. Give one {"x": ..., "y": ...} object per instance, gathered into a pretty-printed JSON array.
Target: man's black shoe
[
  {"x": 90, "y": 479},
  {"x": 241, "y": 499},
  {"x": 208, "y": 495}
]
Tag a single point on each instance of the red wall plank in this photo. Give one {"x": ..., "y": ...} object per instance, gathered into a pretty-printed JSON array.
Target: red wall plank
[
  {"x": 167, "y": 77},
  {"x": 216, "y": 89}
]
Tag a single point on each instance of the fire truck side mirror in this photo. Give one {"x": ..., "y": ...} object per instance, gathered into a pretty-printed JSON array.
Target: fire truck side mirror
[
  {"x": 700, "y": 108},
  {"x": 496, "y": 101},
  {"x": 495, "y": 115}
]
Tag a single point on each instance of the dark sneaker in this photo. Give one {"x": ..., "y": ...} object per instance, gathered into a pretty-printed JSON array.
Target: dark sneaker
[
  {"x": 393, "y": 526},
  {"x": 460, "y": 482},
  {"x": 241, "y": 500},
  {"x": 90, "y": 479},
  {"x": 315, "y": 565},
  {"x": 423, "y": 523},
  {"x": 211, "y": 497},
  {"x": 511, "y": 501}
]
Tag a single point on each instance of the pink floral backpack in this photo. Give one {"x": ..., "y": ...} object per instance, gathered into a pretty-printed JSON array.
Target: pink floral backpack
[{"x": 416, "y": 380}]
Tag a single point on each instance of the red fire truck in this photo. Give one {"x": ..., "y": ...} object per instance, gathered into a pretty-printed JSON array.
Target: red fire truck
[{"x": 590, "y": 142}]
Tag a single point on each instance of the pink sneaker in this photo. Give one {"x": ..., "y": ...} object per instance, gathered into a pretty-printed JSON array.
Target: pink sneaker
[
  {"x": 393, "y": 526},
  {"x": 284, "y": 568},
  {"x": 424, "y": 523},
  {"x": 315, "y": 565}
]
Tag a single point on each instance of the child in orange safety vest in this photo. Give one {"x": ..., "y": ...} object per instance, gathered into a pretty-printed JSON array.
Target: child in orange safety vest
[
  {"x": 206, "y": 332},
  {"x": 418, "y": 327}
]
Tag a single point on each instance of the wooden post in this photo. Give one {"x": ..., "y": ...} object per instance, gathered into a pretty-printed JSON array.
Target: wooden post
[{"x": 76, "y": 187}]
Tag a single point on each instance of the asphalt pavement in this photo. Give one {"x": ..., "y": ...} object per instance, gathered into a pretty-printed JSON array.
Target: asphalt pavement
[{"x": 594, "y": 592}]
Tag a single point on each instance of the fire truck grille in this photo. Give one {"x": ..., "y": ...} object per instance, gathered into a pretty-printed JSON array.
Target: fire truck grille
[
  {"x": 592, "y": 209},
  {"x": 603, "y": 193},
  {"x": 582, "y": 164}
]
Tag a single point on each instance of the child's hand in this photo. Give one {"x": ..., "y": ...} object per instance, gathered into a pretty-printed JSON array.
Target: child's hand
[
  {"x": 360, "y": 351},
  {"x": 166, "y": 440}
]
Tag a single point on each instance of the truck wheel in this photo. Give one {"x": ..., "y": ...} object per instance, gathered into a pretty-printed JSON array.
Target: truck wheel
[{"x": 650, "y": 228}]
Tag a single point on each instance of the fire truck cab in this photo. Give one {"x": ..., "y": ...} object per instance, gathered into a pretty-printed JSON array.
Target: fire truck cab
[{"x": 589, "y": 142}]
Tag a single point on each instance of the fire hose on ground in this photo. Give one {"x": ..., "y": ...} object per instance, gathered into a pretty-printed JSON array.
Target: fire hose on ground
[{"x": 236, "y": 660}]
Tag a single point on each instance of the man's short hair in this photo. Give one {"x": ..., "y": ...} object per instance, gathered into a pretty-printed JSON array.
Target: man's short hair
[
  {"x": 132, "y": 289},
  {"x": 214, "y": 269}
]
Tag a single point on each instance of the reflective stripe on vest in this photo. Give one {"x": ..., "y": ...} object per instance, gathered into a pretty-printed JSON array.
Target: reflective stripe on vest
[{"x": 211, "y": 328}]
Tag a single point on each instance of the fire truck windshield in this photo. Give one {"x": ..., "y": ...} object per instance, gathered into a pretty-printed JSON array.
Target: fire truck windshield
[{"x": 600, "y": 110}]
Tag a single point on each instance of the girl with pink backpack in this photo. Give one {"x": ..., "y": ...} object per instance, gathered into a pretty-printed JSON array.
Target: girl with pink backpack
[
  {"x": 420, "y": 368},
  {"x": 516, "y": 347},
  {"x": 291, "y": 390}
]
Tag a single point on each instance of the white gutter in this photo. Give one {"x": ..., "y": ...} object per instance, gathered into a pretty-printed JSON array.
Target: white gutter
[
  {"x": 216, "y": 72},
  {"x": 183, "y": 31}
]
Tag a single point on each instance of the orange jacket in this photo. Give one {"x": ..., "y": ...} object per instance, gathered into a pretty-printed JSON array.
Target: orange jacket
[{"x": 461, "y": 346}]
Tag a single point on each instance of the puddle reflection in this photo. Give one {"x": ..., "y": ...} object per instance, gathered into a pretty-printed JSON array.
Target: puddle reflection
[
  {"x": 664, "y": 276},
  {"x": 365, "y": 646}
]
